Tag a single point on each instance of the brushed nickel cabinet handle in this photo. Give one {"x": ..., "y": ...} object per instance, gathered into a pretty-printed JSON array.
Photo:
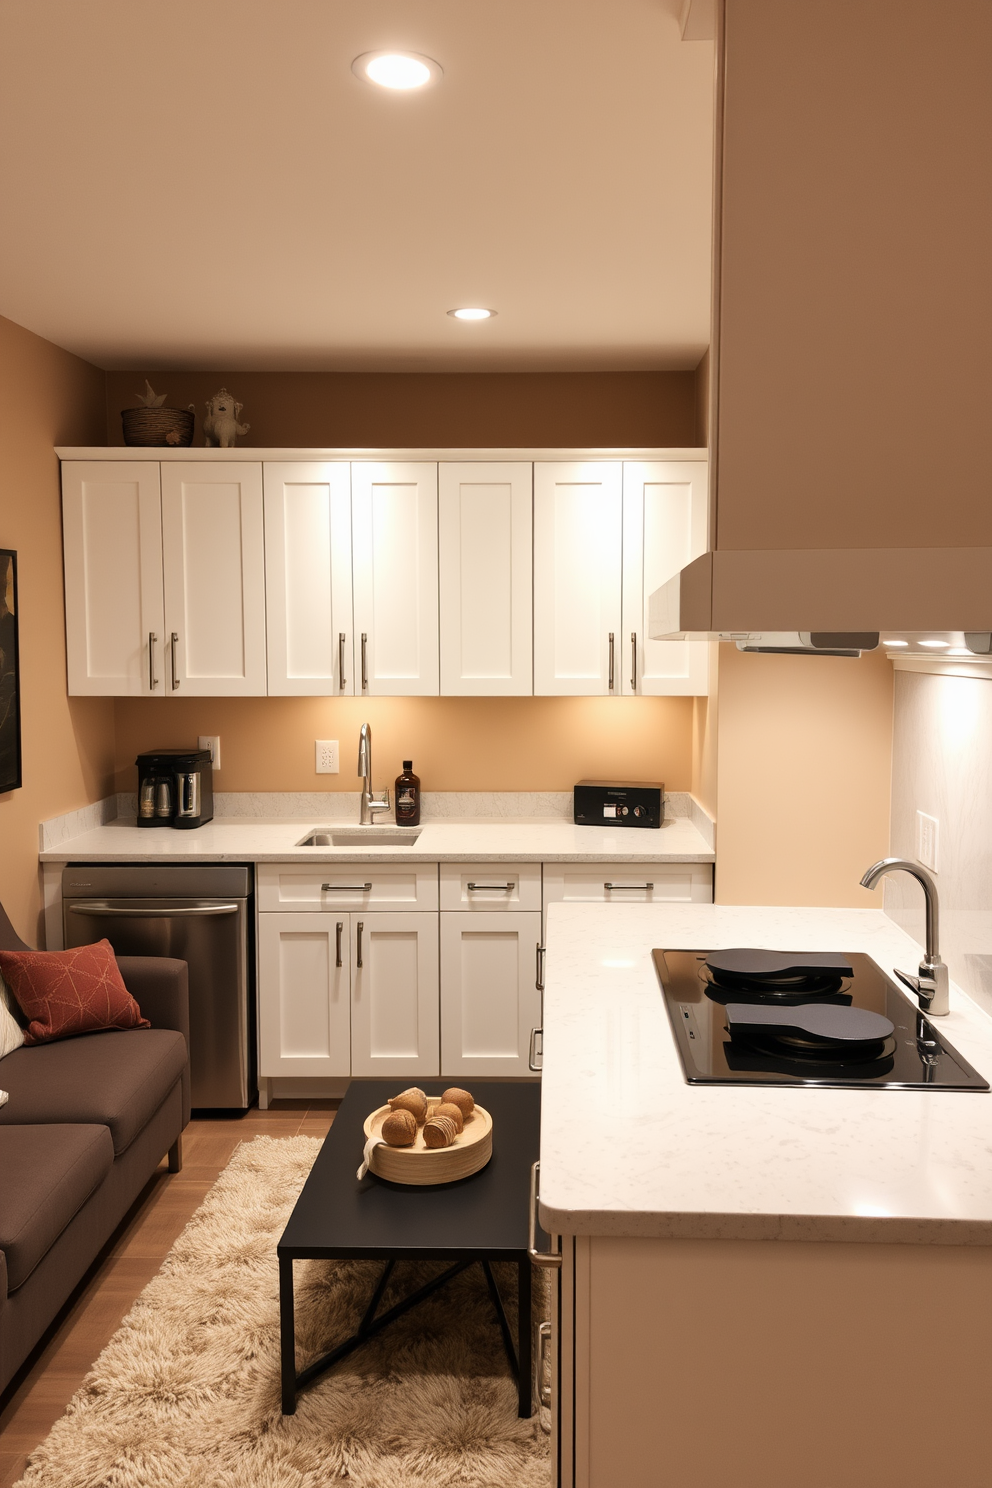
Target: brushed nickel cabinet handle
[
  {"x": 341, "y": 684},
  {"x": 538, "y": 1257},
  {"x": 152, "y": 679},
  {"x": 633, "y": 661},
  {"x": 361, "y": 927},
  {"x": 628, "y": 886},
  {"x": 539, "y": 978},
  {"x": 612, "y": 648},
  {"x": 173, "y": 643},
  {"x": 364, "y": 888},
  {"x": 365, "y": 662},
  {"x": 535, "y": 1059},
  {"x": 339, "y": 928},
  {"x": 504, "y": 888}
]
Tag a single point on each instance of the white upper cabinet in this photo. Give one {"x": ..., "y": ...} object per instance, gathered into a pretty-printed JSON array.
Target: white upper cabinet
[
  {"x": 486, "y": 578},
  {"x": 577, "y": 561},
  {"x": 212, "y": 534},
  {"x": 115, "y": 618},
  {"x": 309, "y": 638},
  {"x": 394, "y": 522},
  {"x": 664, "y": 528}
]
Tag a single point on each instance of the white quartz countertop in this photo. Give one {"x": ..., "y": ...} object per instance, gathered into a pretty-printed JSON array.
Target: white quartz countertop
[
  {"x": 232, "y": 839},
  {"x": 628, "y": 1148}
]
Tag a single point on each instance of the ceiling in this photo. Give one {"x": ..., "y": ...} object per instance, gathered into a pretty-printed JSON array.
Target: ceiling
[{"x": 209, "y": 185}]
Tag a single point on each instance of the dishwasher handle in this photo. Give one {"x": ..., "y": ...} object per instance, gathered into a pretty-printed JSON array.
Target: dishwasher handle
[{"x": 95, "y": 907}]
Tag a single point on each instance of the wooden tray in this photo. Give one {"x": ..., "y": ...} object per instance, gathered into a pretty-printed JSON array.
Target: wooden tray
[{"x": 420, "y": 1165}]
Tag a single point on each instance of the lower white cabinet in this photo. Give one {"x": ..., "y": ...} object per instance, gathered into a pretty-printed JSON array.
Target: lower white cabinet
[
  {"x": 394, "y": 995},
  {"x": 489, "y": 995},
  {"x": 304, "y": 1006}
]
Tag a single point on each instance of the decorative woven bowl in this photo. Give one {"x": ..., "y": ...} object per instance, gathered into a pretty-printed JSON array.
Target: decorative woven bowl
[
  {"x": 170, "y": 426},
  {"x": 419, "y": 1164}
]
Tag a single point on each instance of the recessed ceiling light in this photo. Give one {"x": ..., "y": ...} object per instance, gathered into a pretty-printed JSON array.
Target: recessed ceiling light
[
  {"x": 400, "y": 71},
  {"x": 895, "y": 643},
  {"x": 936, "y": 645},
  {"x": 470, "y": 312}
]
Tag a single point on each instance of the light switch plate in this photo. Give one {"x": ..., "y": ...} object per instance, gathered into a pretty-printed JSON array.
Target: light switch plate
[
  {"x": 326, "y": 756},
  {"x": 927, "y": 834},
  {"x": 211, "y": 742}
]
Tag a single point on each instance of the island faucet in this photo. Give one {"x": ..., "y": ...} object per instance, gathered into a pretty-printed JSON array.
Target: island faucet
[
  {"x": 931, "y": 985},
  {"x": 370, "y": 802}
]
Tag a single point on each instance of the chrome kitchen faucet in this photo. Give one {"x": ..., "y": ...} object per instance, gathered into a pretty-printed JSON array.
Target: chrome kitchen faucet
[
  {"x": 931, "y": 985},
  {"x": 370, "y": 802}
]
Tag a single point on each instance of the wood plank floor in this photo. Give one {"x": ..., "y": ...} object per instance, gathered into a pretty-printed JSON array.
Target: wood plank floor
[{"x": 35, "y": 1401}]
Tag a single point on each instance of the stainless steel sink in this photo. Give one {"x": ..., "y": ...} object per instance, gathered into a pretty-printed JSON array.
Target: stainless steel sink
[{"x": 361, "y": 837}]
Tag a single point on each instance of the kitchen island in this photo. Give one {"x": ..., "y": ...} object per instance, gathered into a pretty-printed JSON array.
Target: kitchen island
[{"x": 761, "y": 1286}]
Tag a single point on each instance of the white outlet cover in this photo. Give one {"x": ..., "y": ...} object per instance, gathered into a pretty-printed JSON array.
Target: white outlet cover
[
  {"x": 211, "y": 742},
  {"x": 326, "y": 756},
  {"x": 927, "y": 840}
]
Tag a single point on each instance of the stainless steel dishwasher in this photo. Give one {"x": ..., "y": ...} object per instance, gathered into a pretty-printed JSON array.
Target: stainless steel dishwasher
[{"x": 200, "y": 916}]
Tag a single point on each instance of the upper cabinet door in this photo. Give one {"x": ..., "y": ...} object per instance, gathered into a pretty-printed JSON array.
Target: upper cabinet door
[
  {"x": 664, "y": 528},
  {"x": 486, "y": 577},
  {"x": 214, "y": 579},
  {"x": 309, "y": 636},
  {"x": 577, "y": 546},
  {"x": 394, "y": 518},
  {"x": 114, "y": 611}
]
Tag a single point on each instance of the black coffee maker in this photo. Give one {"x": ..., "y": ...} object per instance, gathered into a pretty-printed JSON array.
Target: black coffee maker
[{"x": 175, "y": 788}]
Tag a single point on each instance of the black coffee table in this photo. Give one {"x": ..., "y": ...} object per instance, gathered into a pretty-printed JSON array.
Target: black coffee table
[{"x": 479, "y": 1219}]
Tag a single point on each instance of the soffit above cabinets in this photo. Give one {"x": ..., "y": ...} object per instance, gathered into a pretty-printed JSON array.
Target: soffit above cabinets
[{"x": 211, "y": 186}]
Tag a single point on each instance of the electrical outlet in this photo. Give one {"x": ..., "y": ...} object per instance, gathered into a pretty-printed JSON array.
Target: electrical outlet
[
  {"x": 927, "y": 831},
  {"x": 211, "y": 742},
  {"x": 327, "y": 756}
]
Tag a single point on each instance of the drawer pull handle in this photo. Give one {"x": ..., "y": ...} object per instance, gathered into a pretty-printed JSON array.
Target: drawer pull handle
[
  {"x": 364, "y": 888},
  {"x": 628, "y": 886},
  {"x": 358, "y": 959},
  {"x": 339, "y": 929},
  {"x": 341, "y": 684},
  {"x": 535, "y": 1060},
  {"x": 538, "y": 1257},
  {"x": 503, "y": 888}
]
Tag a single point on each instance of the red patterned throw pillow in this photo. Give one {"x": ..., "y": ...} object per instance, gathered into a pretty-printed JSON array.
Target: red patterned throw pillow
[{"x": 66, "y": 992}]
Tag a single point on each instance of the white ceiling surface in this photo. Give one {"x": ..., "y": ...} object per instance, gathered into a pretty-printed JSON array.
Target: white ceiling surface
[{"x": 208, "y": 185}]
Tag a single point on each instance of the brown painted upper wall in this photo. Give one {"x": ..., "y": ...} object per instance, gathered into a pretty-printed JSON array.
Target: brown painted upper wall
[
  {"x": 339, "y": 409},
  {"x": 47, "y": 397}
]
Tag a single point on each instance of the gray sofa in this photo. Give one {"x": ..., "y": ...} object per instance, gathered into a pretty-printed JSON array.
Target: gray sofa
[{"x": 88, "y": 1121}]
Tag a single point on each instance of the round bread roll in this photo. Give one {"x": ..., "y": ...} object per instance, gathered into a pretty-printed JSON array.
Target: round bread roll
[
  {"x": 439, "y": 1131},
  {"x": 413, "y": 1100},
  {"x": 399, "y": 1128},
  {"x": 461, "y": 1099},
  {"x": 446, "y": 1108}
]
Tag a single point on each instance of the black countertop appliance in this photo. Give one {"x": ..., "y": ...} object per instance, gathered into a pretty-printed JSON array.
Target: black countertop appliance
[
  {"x": 175, "y": 788},
  {"x": 618, "y": 803}
]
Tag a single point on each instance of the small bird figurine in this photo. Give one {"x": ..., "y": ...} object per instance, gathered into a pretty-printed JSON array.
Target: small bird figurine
[{"x": 150, "y": 398}]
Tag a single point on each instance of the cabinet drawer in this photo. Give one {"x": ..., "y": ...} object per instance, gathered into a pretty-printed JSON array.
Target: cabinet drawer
[
  {"x": 628, "y": 883},
  {"x": 490, "y": 886},
  {"x": 306, "y": 886}
]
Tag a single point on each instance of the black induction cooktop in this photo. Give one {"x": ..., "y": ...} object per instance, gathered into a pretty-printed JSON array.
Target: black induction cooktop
[{"x": 758, "y": 1017}]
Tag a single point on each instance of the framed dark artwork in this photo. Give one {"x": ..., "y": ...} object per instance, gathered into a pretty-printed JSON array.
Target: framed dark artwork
[{"x": 10, "y": 700}]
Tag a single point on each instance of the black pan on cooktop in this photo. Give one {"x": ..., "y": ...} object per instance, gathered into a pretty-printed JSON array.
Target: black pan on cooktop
[{"x": 755, "y": 1017}]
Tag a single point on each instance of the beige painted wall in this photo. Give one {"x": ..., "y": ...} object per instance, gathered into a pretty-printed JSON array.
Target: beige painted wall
[
  {"x": 423, "y": 409},
  {"x": 464, "y": 744},
  {"x": 47, "y": 397},
  {"x": 803, "y": 777}
]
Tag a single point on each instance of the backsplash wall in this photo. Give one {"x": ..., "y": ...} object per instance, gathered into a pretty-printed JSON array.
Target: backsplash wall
[
  {"x": 942, "y": 743},
  {"x": 456, "y": 744}
]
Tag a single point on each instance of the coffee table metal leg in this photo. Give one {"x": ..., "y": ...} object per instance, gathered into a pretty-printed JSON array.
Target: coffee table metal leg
[
  {"x": 525, "y": 1377},
  {"x": 287, "y": 1336}
]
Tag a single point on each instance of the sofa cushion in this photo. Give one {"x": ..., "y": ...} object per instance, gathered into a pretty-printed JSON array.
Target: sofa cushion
[
  {"x": 62, "y": 993},
  {"x": 46, "y": 1175},
  {"x": 114, "y": 1079}
]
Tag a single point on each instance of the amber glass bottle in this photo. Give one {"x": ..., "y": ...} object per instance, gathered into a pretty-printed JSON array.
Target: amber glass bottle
[{"x": 408, "y": 797}]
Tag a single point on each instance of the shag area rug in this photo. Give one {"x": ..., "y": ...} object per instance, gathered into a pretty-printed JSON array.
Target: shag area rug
[{"x": 187, "y": 1391}]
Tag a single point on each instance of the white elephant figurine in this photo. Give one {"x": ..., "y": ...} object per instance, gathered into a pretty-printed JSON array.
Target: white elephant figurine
[{"x": 221, "y": 427}]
